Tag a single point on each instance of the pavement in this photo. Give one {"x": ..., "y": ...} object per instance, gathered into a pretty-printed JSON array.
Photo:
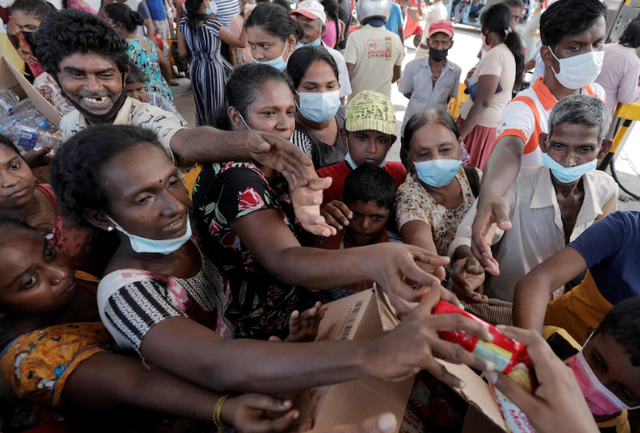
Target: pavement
[{"x": 465, "y": 48}]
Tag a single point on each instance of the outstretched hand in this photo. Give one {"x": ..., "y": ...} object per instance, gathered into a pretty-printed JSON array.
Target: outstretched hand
[
  {"x": 257, "y": 413},
  {"x": 492, "y": 213},
  {"x": 303, "y": 327},
  {"x": 394, "y": 266},
  {"x": 557, "y": 405},
  {"x": 306, "y": 202},
  {"x": 282, "y": 156},
  {"x": 468, "y": 278},
  {"x": 414, "y": 344}
]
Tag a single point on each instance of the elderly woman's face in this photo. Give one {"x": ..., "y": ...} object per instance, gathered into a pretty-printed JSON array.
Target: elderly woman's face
[{"x": 434, "y": 142}]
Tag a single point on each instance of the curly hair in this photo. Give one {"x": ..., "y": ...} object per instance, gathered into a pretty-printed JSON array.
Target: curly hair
[
  {"x": 77, "y": 170},
  {"x": 72, "y": 31}
]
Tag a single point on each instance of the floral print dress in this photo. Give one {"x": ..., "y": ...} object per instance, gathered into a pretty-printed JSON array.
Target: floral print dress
[
  {"x": 413, "y": 202},
  {"x": 223, "y": 193},
  {"x": 149, "y": 63}
]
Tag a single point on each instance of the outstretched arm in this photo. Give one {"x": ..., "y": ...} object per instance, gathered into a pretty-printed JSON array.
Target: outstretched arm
[{"x": 533, "y": 291}]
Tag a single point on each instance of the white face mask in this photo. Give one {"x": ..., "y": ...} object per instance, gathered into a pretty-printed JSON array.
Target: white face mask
[
  {"x": 156, "y": 246},
  {"x": 579, "y": 71}
]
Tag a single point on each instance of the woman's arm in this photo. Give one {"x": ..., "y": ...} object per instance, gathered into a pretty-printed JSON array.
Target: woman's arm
[
  {"x": 418, "y": 233},
  {"x": 182, "y": 45},
  {"x": 196, "y": 353},
  {"x": 165, "y": 66},
  {"x": 233, "y": 40},
  {"x": 277, "y": 249},
  {"x": 107, "y": 381},
  {"x": 486, "y": 89}
]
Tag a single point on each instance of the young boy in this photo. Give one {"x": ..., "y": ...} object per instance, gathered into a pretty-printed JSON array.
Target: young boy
[
  {"x": 607, "y": 365},
  {"x": 369, "y": 131},
  {"x": 369, "y": 194}
]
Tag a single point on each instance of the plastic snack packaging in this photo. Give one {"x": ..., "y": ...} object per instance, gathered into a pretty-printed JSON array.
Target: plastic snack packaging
[{"x": 509, "y": 356}]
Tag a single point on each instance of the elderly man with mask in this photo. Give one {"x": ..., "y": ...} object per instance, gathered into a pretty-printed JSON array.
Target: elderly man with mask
[
  {"x": 312, "y": 19},
  {"x": 549, "y": 206},
  {"x": 573, "y": 34}
]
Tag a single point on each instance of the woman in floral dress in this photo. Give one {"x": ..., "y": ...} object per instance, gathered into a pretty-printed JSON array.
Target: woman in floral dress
[
  {"x": 247, "y": 226},
  {"x": 142, "y": 51}
]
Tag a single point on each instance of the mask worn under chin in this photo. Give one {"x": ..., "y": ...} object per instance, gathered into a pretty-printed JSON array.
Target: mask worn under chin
[
  {"x": 313, "y": 43},
  {"x": 93, "y": 118},
  {"x": 579, "y": 71},
  {"x": 600, "y": 400},
  {"x": 437, "y": 172},
  {"x": 438, "y": 55},
  {"x": 279, "y": 62},
  {"x": 156, "y": 246},
  {"x": 568, "y": 175}
]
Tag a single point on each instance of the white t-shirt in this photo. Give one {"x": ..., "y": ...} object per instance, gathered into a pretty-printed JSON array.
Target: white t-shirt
[{"x": 374, "y": 51}]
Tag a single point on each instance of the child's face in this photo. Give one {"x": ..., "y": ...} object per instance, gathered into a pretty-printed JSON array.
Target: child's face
[
  {"x": 367, "y": 223},
  {"x": 612, "y": 365},
  {"x": 369, "y": 147}
]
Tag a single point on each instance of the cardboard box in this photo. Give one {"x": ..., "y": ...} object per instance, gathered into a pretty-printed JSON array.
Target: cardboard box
[
  {"x": 362, "y": 316},
  {"x": 367, "y": 315},
  {"x": 10, "y": 78}
]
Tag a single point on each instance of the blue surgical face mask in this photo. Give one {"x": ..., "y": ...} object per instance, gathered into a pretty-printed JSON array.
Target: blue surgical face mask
[
  {"x": 208, "y": 11},
  {"x": 313, "y": 43},
  {"x": 279, "y": 63},
  {"x": 319, "y": 107},
  {"x": 353, "y": 164},
  {"x": 568, "y": 175},
  {"x": 437, "y": 172},
  {"x": 156, "y": 246}
]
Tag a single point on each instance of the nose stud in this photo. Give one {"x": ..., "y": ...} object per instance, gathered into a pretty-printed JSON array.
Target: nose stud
[{"x": 110, "y": 228}]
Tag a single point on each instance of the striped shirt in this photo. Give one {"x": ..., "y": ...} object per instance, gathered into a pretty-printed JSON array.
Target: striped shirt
[
  {"x": 527, "y": 115},
  {"x": 537, "y": 230},
  {"x": 227, "y": 9}
]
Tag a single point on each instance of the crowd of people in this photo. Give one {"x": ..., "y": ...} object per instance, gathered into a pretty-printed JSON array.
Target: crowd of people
[{"x": 170, "y": 277}]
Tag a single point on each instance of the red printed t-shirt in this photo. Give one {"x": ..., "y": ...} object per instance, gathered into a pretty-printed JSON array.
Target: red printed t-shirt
[
  {"x": 339, "y": 172},
  {"x": 527, "y": 115}
]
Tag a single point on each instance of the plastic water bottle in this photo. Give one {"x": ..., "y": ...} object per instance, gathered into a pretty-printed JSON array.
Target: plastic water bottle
[
  {"x": 24, "y": 105},
  {"x": 8, "y": 99},
  {"x": 27, "y": 138}
]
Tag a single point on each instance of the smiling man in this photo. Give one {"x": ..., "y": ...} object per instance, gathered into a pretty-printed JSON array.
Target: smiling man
[
  {"x": 89, "y": 60},
  {"x": 573, "y": 34},
  {"x": 550, "y": 205}
]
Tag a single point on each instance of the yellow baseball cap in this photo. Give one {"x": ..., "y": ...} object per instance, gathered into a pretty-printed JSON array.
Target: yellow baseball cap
[{"x": 370, "y": 110}]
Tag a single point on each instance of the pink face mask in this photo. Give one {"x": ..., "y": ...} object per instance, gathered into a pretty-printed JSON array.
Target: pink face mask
[{"x": 600, "y": 400}]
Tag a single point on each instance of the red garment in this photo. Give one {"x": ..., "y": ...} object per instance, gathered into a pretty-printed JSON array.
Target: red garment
[
  {"x": 75, "y": 242},
  {"x": 339, "y": 172}
]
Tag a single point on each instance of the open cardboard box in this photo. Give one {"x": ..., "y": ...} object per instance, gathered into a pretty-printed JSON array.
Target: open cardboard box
[
  {"x": 367, "y": 315},
  {"x": 361, "y": 316},
  {"x": 11, "y": 78}
]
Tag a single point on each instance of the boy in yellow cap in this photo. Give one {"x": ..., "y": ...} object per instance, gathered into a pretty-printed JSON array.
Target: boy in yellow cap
[{"x": 369, "y": 131}]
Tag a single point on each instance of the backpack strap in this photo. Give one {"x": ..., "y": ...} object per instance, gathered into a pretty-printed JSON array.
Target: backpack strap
[{"x": 473, "y": 178}]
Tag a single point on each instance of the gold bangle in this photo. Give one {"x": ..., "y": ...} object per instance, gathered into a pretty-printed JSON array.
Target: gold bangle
[{"x": 217, "y": 414}]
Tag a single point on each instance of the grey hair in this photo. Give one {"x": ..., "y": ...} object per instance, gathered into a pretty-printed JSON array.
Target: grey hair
[{"x": 581, "y": 109}]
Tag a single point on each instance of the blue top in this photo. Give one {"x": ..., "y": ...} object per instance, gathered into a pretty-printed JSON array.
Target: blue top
[
  {"x": 395, "y": 18},
  {"x": 156, "y": 9},
  {"x": 611, "y": 248}
]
